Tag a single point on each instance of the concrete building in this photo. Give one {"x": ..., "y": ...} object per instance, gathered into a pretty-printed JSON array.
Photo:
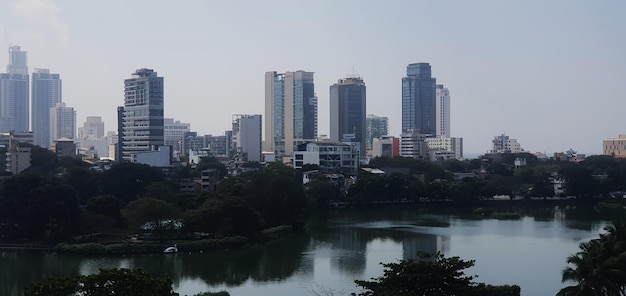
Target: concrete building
[
  {"x": 174, "y": 133},
  {"x": 504, "y": 144},
  {"x": 64, "y": 147},
  {"x": 142, "y": 115},
  {"x": 347, "y": 111},
  {"x": 247, "y": 137},
  {"x": 419, "y": 100},
  {"x": 615, "y": 147},
  {"x": 440, "y": 144},
  {"x": 93, "y": 128},
  {"x": 14, "y": 93},
  {"x": 413, "y": 145},
  {"x": 46, "y": 92},
  {"x": 162, "y": 157},
  {"x": 290, "y": 111},
  {"x": 62, "y": 122},
  {"x": 375, "y": 127},
  {"x": 17, "y": 155},
  {"x": 386, "y": 146},
  {"x": 442, "y": 109},
  {"x": 330, "y": 156}
]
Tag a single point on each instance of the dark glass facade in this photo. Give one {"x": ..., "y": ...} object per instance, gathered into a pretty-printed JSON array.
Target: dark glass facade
[
  {"x": 347, "y": 110},
  {"x": 419, "y": 99}
]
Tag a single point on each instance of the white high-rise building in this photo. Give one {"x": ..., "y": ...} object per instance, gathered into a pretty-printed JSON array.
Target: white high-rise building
[
  {"x": 504, "y": 144},
  {"x": 62, "y": 122},
  {"x": 442, "y": 106},
  {"x": 174, "y": 133},
  {"x": 142, "y": 123},
  {"x": 93, "y": 128},
  {"x": 247, "y": 136},
  {"x": 290, "y": 111}
]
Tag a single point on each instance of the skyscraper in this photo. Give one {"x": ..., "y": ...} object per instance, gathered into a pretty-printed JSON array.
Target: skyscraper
[
  {"x": 93, "y": 128},
  {"x": 46, "y": 93},
  {"x": 418, "y": 99},
  {"x": 443, "y": 111},
  {"x": 347, "y": 110},
  {"x": 14, "y": 93},
  {"x": 62, "y": 122},
  {"x": 290, "y": 111},
  {"x": 142, "y": 118}
]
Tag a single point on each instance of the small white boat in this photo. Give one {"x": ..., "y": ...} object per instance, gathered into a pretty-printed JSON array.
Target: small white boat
[{"x": 173, "y": 249}]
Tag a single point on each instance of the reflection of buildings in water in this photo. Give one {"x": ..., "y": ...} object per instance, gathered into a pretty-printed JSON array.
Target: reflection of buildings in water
[
  {"x": 428, "y": 243},
  {"x": 349, "y": 249}
]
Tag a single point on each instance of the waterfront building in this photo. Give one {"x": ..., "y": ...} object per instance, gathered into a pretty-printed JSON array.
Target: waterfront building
[
  {"x": 419, "y": 100},
  {"x": 290, "y": 111},
  {"x": 442, "y": 111},
  {"x": 46, "y": 92},
  {"x": 330, "y": 156},
  {"x": 14, "y": 93},
  {"x": 347, "y": 111},
  {"x": 375, "y": 127},
  {"x": 142, "y": 121},
  {"x": 62, "y": 122},
  {"x": 247, "y": 137}
]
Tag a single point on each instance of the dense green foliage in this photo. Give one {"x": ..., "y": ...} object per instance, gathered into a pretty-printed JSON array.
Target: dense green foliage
[
  {"x": 107, "y": 282},
  {"x": 599, "y": 268},
  {"x": 431, "y": 275}
]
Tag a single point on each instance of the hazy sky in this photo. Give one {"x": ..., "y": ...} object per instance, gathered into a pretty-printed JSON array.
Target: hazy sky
[{"x": 551, "y": 74}]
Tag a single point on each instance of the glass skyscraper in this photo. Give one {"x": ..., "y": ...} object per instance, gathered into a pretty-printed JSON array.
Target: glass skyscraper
[
  {"x": 418, "y": 99},
  {"x": 14, "y": 94},
  {"x": 142, "y": 117},
  {"x": 347, "y": 111},
  {"x": 46, "y": 93},
  {"x": 290, "y": 111}
]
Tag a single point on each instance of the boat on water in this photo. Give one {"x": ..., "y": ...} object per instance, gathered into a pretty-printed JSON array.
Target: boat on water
[{"x": 169, "y": 250}]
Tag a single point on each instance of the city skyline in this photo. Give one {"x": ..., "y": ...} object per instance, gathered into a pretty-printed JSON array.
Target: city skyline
[{"x": 526, "y": 69}]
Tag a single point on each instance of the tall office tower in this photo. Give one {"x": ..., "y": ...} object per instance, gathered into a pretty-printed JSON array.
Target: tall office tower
[
  {"x": 174, "y": 133},
  {"x": 142, "y": 120},
  {"x": 375, "y": 127},
  {"x": 14, "y": 93},
  {"x": 418, "y": 99},
  {"x": 93, "y": 128},
  {"x": 347, "y": 111},
  {"x": 247, "y": 136},
  {"x": 45, "y": 94},
  {"x": 62, "y": 122},
  {"x": 290, "y": 111},
  {"x": 443, "y": 111}
]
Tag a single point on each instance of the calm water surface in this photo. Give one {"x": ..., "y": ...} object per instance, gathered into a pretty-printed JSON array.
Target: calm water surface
[{"x": 343, "y": 246}]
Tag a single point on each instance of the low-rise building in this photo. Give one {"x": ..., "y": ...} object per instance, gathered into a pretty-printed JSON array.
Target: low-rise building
[
  {"x": 64, "y": 147},
  {"x": 329, "y": 156},
  {"x": 615, "y": 147}
]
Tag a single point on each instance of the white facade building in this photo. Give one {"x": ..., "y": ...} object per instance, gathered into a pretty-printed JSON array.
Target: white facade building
[
  {"x": 247, "y": 136},
  {"x": 444, "y": 143},
  {"x": 93, "y": 128},
  {"x": 504, "y": 144},
  {"x": 413, "y": 145},
  {"x": 442, "y": 109},
  {"x": 329, "y": 156},
  {"x": 62, "y": 122},
  {"x": 174, "y": 133}
]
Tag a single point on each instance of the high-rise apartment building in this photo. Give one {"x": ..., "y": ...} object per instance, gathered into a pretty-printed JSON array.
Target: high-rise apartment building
[
  {"x": 418, "y": 99},
  {"x": 93, "y": 128},
  {"x": 174, "y": 133},
  {"x": 290, "y": 111},
  {"x": 347, "y": 111},
  {"x": 375, "y": 127},
  {"x": 442, "y": 111},
  {"x": 46, "y": 92},
  {"x": 142, "y": 117},
  {"x": 247, "y": 136},
  {"x": 62, "y": 122},
  {"x": 14, "y": 96}
]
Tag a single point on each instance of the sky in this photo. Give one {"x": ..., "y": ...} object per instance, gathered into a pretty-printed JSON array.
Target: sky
[{"x": 550, "y": 74}]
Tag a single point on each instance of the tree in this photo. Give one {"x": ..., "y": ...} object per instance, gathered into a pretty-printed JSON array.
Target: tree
[
  {"x": 107, "y": 282},
  {"x": 224, "y": 216},
  {"x": 106, "y": 205},
  {"x": 431, "y": 275},
  {"x": 127, "y": 181},
  {"x": 158, "y": 216},
  {"x": 38, "y": 207}
]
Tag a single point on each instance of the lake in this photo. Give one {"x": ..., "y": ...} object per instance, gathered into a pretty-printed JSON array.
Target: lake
[{"x": 345, "y": 245}]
